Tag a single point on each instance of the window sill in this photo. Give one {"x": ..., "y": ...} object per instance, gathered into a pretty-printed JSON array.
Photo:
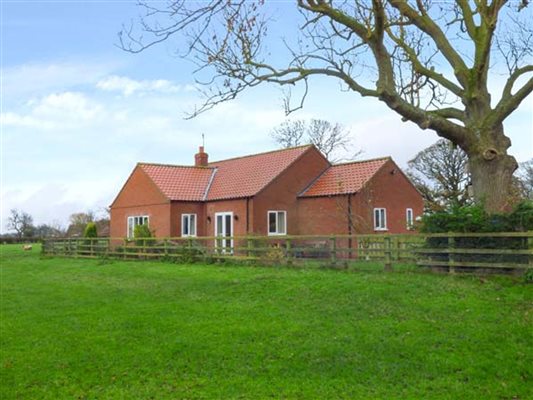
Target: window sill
[
  {"x": 276, "y": 234},
  {"x": 381, "y": 229}
]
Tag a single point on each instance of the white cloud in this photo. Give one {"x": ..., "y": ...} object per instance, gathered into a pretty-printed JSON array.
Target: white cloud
[
  {"x": 128, "y": 86},
  {"x": 56, "y": 111},
  {"x": 37, "y": 78}
]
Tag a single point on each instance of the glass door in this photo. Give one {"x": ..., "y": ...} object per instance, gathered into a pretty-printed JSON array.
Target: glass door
[{"x": 224, "y": 232}]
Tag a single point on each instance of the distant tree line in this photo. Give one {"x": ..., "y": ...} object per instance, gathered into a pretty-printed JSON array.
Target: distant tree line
[{"x": 21, "y": 225}]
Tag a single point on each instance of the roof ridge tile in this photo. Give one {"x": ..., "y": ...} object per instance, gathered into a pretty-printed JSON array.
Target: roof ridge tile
[{"x": 262, "y": 153}]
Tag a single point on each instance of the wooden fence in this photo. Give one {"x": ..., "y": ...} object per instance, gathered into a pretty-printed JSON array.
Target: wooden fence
[{"x": 449, "y": 252}]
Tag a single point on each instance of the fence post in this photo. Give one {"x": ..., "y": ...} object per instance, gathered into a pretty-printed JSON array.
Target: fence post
[
  {"x": 451, "y": 255},
  {"x": 333, "y": 251},
  {"x": 165, "y": 248},
  {"x": 288, "y": 251},
  {"x": 530, "y": 247},
  {"x": 396, "y": 249},
  {"x": 249, "y": 246},
  {"x": 388, "y": 253},
  {"x": 124, "y": 242}
]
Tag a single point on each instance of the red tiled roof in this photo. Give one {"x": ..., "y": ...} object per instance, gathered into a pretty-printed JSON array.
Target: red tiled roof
[
  {"x": 180, "y": 182},
  {"x": 344, "y": 178},
  {"x": 246, "y": 176}
]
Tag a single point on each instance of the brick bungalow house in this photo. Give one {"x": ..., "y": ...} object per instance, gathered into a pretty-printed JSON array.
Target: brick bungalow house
[{"x": 292, "y": 191}]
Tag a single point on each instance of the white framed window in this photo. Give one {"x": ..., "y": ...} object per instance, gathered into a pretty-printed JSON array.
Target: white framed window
[
  {"x": 188, "y": 224},
  {"x": 135, "y": 220},
  {"x": 409, "y": 219},
  {"x": 277, "y": 222},
  {"x": 380, "y": 219}
]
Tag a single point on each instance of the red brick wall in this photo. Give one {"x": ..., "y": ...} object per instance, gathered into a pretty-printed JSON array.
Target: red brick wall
[
  {"x": 237, "y": 207},
  {"x": 281, "y": 194},
  {"x": 328, "y": 215},
  {"x": 140, "y": 196},
  {"x": 177, "y": 208},
  {"x": 159, "y": 217},
  {"x": 323, "y": 215},
  {"x": 394, "y": 192}
]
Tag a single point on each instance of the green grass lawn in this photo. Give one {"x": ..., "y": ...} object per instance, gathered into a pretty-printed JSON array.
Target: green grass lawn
[{"x": 78, "y": 329}]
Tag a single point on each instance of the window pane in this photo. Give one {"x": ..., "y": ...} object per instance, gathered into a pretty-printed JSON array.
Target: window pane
[
  {"x": 281, "y": 222},
  {"x": 192, "y": 225},
  {"x": 220, "y": 221},
  {"x": 382, "y": 219},
  {"x": 184, "y": 225},
  {"x": 376, "y": 218},
  {"x": 228, "y": 225},
  {"x": 272, "y": 222}
]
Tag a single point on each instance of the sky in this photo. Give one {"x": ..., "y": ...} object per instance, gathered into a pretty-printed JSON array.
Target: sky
[{"x": 77, "y": 112}]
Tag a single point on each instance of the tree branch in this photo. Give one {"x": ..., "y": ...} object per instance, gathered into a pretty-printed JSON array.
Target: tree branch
[
  {"x": 468, "y": 18},
  {"x": 428, "y": 26},
  {"x": 420, "y": 68},
  {"x": 509, "y": 103}
]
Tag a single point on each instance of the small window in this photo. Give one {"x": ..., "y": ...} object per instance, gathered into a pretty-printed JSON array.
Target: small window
[
  {"x": 277, "y": 222},
  {"x": 188, "y": 224},
  {"x": 409, "y": 218},
  {"x": 380, "y": 219},
  {"x": 134, "y": 221}
]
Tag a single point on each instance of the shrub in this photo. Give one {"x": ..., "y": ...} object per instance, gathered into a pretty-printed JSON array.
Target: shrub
[
  {"x": 474, "y": 219},
  {"x": 142, "y": 232},
  {"x": 274, "y": 256},
  {"x": 90, "y": 230}
]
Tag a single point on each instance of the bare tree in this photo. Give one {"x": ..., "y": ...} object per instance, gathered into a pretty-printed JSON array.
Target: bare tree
[
  {"x": 333, "y": 140},
  {"x": 21, "y": 222},
  {"x": 78, "y": 222},
  {"x": 440, "y": 173},
  {"x": 290, "y": 133},
  {"x": 525, "y": 178},
  {"x": 429, "y": 61}
]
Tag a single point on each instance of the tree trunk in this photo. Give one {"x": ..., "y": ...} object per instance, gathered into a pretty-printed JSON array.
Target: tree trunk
[{"x": 492, "y": 172}]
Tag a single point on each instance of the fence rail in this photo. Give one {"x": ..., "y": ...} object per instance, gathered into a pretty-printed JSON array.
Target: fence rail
[{"x": 513, "y": 250}]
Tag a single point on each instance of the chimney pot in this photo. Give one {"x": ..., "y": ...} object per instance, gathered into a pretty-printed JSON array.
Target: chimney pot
[{"x": 201, "y": 158}]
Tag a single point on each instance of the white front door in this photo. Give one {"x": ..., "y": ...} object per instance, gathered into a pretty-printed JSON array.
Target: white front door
[{"x": 224, "y": 232}]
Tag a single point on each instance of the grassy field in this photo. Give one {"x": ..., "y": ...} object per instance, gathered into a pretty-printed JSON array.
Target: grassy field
[{"x": 78, "y": 329}]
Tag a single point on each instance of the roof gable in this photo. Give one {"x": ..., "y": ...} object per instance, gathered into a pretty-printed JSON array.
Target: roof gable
[
  {"x": 247, "y": 176},
  {"x": 130, "y": 194},
  {"x": 344, "y": 178}
]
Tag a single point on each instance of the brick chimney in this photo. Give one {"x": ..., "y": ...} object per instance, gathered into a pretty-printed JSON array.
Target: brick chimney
[{"x": 200, "y": 158}]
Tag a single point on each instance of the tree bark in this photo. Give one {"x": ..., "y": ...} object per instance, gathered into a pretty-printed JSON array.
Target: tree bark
[{"x": 492, "y": 173}]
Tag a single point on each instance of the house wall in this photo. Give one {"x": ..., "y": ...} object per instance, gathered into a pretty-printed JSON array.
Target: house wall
[
  {"x": 178, "y": 208},
  {"x": 139, "y": 196},
  {"x": 323, "y": 215},
  {"x": 281, "y": 194},
  {"x": 237, "y": 207},
  {"x": 159, "y": 219},
  {"x": 389, "y": 189},
  {"x": 394, "y": 192}
]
